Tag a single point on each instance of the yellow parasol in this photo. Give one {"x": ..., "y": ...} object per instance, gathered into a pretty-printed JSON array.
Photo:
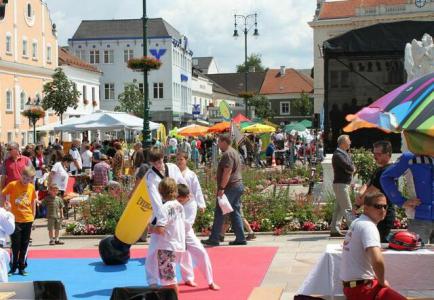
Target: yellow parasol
[
  {"x": 259, "y": 128},
  {"x": 194, "y": 130}
]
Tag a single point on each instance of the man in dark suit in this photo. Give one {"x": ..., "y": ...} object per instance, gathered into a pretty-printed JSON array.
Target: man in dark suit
[{"x": 343, "y": 169}]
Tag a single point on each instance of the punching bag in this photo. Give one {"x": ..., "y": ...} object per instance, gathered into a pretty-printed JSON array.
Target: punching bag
[{"x": 115, "y": 250}]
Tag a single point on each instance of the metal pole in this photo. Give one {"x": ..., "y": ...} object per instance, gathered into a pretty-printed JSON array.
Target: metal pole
[
  {"x": 34, "y": 120},
  {"x": 245, "y": 67},
  {"x": 146, "y": 132}
]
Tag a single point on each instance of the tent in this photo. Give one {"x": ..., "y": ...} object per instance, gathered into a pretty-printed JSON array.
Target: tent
[
  {"x": 240, "y": 118},
  {"x": 104, "y": 120}
]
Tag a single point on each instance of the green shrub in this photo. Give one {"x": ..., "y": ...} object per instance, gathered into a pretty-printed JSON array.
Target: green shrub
[{"x": 364, "y": 162}]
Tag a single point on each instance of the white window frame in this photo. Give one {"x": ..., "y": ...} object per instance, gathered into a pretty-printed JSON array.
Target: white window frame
[
  {"x": 158, "y": 90},
  {"x": 281, "y": 108},
  {"x": 22, "y": 100},
  {"x": 94, "y": 56},
  {"x": 49, "y": 54},
  {"x": 93, "y": 94},
  {"x": 35, "y": 50},
  {"x": 81, "y": 54},
  {"x": 128, "y": 54},
  {"x": 25, "y": 45},
  {"x": 108, "y": 56},
  {"x": 30, "y": 19},
  {"x": 8, "y": 43},
  {"x": 10, "y": 136},
  {"x": 109, "y": 91},
  {"x": 9, "y": 101}
]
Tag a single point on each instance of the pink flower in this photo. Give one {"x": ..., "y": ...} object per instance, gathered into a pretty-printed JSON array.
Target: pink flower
[{"x": 308, "y": 226}]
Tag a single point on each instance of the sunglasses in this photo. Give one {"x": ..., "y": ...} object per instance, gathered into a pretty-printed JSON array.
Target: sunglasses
[{"x": 380, "y": 206}]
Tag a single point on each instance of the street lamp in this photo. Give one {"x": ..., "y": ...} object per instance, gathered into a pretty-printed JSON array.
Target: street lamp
[
  {"x": 33, "y": 111},
  {"x": 246, "y": 29},
  {"x": 146, "y": 131}
]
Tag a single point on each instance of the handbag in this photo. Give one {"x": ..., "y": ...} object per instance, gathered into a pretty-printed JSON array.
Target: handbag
[{"x": 224, "y": 204}]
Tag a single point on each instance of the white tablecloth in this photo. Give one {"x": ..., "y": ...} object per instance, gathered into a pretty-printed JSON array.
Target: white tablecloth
[{"x": 405, "y": 270}]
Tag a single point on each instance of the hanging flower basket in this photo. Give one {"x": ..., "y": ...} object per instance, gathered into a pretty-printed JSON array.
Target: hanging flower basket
[
  {"x": 85, "y": 102},
  {"x": 145, "y": 63},
  {"x": 34, "y": 113},
  {"x": 245, "y": 95},
  {"x": 94, "y": 103}
]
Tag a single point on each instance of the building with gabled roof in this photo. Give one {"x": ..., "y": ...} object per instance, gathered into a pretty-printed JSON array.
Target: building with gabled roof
[
  {"x": 109, "y": 44},
  {"x": 207, "y": 64}
]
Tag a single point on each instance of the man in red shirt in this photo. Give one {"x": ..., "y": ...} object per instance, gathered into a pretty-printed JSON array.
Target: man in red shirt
[{"x": 13, "y": 165}]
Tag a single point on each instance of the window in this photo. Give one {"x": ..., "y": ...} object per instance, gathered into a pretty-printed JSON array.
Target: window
[
  {"x": 8, "y": 43},
  {"x": 49, "y": 54},
  {"x": 284, "y": 108},
  {"x": 81, "y": 54},
  {"x": 34, "y": 50},
  {"x": 24, "y": 47},
  {"x": 94, "y": 57},
  {"x": 29, "y": 10},
  {"x": 93, "y": 94},
  {"x": 128, "y": 54},
  {"x": 84, "y": 93},
  {"x": 108, "y": 56},
  {"x": 109, "y": 91},
  {"x": 158, "y": 90},
  {"x": 23, "y": 139},
  {"x": 9, "y": 137},
  {"x": 142, "y": 90},
  {"x": 22, "y": 101},
  {"x": 9, "y": 100}
]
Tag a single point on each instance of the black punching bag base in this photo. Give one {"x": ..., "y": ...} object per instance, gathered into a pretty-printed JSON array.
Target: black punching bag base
[{"x": 113, "y": 251}]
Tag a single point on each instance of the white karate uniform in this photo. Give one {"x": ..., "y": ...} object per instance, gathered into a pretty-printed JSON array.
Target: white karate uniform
[
  {"x": 153, "y": 180},
  {"x": 195, "y": 250},
  {"x": 7, "y": 227}
]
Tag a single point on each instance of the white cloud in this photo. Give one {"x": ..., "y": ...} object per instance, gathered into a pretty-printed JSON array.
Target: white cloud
[{"x": 285, "y": 37}]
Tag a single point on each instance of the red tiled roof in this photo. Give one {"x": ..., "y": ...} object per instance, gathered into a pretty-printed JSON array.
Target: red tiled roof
[
  {"x": 291, "y": 82},
  {"x": 347, "y": 8},
  {"x": 66, "y": 58}
]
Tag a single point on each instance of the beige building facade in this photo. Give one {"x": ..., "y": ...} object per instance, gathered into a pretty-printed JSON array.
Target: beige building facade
[{"x": 28, "y": 57}]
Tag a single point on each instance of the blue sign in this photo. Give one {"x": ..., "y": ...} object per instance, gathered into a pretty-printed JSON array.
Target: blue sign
[
  {"x": 184, "y": 77},
  {"x": 157, "y": 54},
  {"x": 196, "y": 109}
]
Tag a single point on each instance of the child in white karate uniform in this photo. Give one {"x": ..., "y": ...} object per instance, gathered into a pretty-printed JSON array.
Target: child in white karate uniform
[
  {"x": 7, "y": 227},
  {"x": 191, "y": 197},
  {"x": 170, "y": 234}
]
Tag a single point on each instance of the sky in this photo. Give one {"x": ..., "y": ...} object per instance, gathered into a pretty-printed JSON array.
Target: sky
[{"x": 285, "y": 37}]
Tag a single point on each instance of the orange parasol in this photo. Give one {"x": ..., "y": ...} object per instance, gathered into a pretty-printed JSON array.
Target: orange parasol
[
  {"x": 193, "y": 130},
  {"x": 220, "y": 127}
]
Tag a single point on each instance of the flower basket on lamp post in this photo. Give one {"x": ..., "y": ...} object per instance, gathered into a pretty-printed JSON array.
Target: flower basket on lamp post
[
  {"x": 34, "y": 114},
  {"x": 143, "y": 64}
]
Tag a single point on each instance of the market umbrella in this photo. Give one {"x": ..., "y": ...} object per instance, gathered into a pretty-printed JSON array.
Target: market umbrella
[
  {"x": 306, "y": 123},
  {"x": 194, "y": 130},
  {"x": 295, "y": 127},
  {"x": 408, "y": 108},
  {"x": 259, "y": 128},
  {"x": 174, "y": 133},
  {"x": 220, "y": 127},
  {"x": 246, "y": 124},
  {"x": 240, "y": 118}
]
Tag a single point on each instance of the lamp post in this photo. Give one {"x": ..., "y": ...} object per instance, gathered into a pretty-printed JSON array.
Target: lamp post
[
  {"x": 33, "y": 111},
  {"x": 245, "y": 19},
  {"x": 146, "y": 131}
]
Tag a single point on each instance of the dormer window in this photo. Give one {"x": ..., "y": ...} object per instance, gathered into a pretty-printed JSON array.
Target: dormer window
[{"x": 29, "y": 14}]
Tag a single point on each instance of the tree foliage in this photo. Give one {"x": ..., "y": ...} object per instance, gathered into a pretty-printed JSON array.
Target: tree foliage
[
  {"x": 131, "y": 100},
  {"x": 262, "y": 106},
  {"x": 60, "y": 94},
  {"x": 253, "y": 60},
  {"x": 302, "y": 106}
]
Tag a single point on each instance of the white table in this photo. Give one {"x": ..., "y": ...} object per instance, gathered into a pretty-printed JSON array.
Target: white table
[{"x": 405, "y": 271}]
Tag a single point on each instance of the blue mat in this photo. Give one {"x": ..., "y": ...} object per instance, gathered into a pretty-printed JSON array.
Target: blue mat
[{"x": 86, "y": 278}]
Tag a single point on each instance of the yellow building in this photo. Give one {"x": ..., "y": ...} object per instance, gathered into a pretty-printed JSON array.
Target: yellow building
[{"x": 28, "y": 57}]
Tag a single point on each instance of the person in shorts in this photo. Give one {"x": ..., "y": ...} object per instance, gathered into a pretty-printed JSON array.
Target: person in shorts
[
  {"x": 54, "y": 206},
  {"x": 169, "y": 234}
]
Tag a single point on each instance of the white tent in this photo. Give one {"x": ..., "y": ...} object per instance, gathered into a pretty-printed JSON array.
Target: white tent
[{"x": 105, "y": 121}]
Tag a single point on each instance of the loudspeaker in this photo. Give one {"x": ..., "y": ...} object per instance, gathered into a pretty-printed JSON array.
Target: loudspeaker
[
  {"x": 315, "y": 123},
  {"x": 143, "y": 293},
  {"x": 49, "y": 290}
]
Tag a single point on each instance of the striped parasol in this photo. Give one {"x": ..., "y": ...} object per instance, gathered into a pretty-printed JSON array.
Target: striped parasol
[{"x": 408, "y": 108}]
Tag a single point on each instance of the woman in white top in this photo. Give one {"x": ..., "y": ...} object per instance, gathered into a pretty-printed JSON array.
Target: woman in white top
[
  {"x": 195, "y": 250},
  {"x": 59, "y": 175}
]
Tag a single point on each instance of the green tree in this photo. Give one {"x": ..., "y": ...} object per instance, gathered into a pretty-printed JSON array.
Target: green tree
[
  {"x": 302, "y": 106},
  {"x": 253, "y": 60},
  {"x": 131, "y": 100},
  {"x": 262, "y": 106},
  {"x": 60, "y": 94}
]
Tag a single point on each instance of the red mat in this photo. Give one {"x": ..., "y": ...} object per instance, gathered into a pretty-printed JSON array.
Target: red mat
[{"x": 236, "y": 269}]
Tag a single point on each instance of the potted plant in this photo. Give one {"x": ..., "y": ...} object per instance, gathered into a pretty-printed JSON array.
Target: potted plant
[
  {"x": 144, "y": 63},
  {"x": 34, "y": 113}
]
